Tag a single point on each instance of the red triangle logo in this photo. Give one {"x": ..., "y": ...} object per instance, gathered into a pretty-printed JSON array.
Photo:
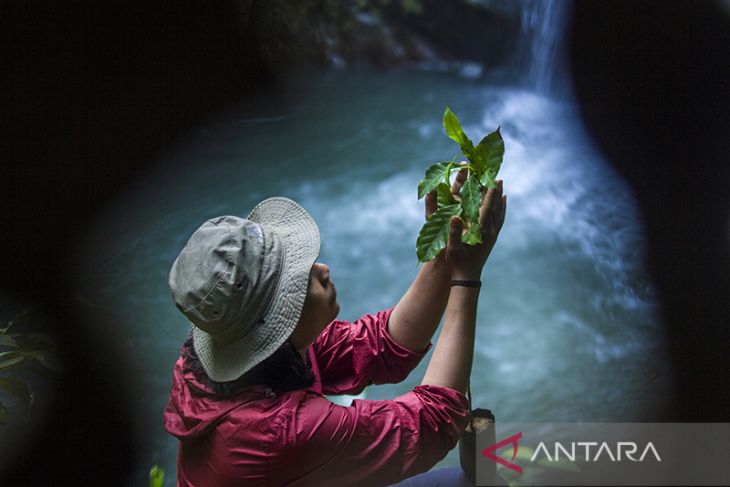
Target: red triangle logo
[{"x": 490, "y": 452}]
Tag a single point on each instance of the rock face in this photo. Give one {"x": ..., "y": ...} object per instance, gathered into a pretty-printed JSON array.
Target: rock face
[
  {"x": 377, "y": 34},
  {"x": 486, "y": 32}
]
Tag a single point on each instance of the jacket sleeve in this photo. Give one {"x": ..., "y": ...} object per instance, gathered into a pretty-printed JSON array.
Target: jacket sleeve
[
  {"x": 352, "y": 356},
  {"x": 370, "y": 442}
]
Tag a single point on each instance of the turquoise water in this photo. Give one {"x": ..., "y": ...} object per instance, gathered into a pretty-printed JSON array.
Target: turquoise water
[{"x": 568, "y": 325}]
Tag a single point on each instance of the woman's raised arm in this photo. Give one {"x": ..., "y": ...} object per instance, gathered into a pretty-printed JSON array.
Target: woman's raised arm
[{"x": 451, "y": 362}]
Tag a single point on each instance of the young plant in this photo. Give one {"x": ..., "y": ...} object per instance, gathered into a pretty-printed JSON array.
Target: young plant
[
  {"x": 23, "y": 350},
  {"x": 484, "y": 162},
  {"x": 157, "y": 476}
]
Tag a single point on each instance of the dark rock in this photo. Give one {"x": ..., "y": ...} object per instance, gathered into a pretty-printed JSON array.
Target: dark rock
[
  {"x": 461, "y": 30},
  {"x": 283, "y": 34}
]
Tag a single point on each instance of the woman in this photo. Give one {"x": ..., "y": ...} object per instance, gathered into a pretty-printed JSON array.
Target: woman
[{"x": 247, "y": 398}]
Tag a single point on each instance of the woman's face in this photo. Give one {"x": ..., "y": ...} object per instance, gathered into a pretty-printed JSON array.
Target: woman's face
[{"x": 320, "y": 307}]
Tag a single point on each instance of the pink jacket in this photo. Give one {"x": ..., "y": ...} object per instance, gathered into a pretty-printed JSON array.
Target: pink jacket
[{"x": 301, "y": 438}]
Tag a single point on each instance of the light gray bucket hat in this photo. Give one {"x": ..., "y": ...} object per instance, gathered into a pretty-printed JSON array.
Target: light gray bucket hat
[{"x": 242, "y": 284}]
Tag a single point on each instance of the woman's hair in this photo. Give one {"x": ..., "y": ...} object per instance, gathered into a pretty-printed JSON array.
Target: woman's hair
[{"x": 284, "y": 370}]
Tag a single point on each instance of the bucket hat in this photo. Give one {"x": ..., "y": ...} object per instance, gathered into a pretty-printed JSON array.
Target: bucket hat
[{"x": 242, "y": 283}]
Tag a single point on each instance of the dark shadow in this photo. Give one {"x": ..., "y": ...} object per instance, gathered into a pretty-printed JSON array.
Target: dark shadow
[
  {"x": 92, "y": 92},
  {"x": 652, "y": 84}
]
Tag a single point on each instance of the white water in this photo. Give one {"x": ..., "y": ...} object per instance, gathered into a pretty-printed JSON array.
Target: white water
[{"x": 540, "y": 56}]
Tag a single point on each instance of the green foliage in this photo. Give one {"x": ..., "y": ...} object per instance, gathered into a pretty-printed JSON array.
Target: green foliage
[
  {"x": 472, "y": 235},
  {"x": 490, "y": 151},
  {"x": 414, "y": 7},
  {"x": 17, "y": 388},
  {"x": 157, "y": 476},
  {"x": 453, "y": 129},
  {"x": 26, "y": 350},
  {"x": 434, "y": 175},
  {"x": 9, "y": 359},
  {"x": 435, "y": 232},
  {"x": 444, "y": 196},
  {"x": 471, "y": 198},
  {"x": 484, "y": 162}
]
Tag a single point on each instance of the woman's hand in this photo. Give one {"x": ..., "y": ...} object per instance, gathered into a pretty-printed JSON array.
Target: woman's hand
[{"x": 467, "y": 260}]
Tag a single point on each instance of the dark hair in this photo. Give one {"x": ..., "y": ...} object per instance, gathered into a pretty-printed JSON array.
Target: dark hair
[{"x": 282, "y": 371}]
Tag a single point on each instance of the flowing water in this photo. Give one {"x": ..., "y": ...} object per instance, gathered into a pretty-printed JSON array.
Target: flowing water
[{"x": 568, "y": 328}]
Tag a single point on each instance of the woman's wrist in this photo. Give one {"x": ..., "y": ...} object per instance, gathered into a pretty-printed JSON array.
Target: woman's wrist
[
  {"x": 439, "y": 268},
  {"x": 466, "y": 276},
  {"x": 465, "y": 283}
]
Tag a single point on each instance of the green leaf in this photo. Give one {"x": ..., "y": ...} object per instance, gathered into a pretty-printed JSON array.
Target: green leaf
[
  {"x": 470, "y": 152},
  {"x": 7, "y": 341},
  {"x": 157, "y": 476},
  {"x": 471, "y": 198},
  {"x": 489, "y": 179},
  {"x": 473, "y": 235},
  {"x": 433, "y": 177},
  {"x": 447, "y": 173},
  {"x": 490, "y": 150},
  {"x": 449, "y": 168},
  {"x": 452, "y": 126},
  {"x": 444, "y": 196},
  {"x": 47, "y": 358},
  {"x": 453, "y": 129},
  {"x": 435, "y": 232},
  {"x": 16, "y": 387},
  {"x": 8, "y": 359},
  {"x": 20, "y": 317},
  {"x": 478, "y": 166}
]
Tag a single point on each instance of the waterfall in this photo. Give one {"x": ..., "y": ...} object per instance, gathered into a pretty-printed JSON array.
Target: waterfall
[{"x": 540, "y": 58}]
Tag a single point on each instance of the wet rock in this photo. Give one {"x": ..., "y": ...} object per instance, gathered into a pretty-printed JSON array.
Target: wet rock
[{"x": 379, "y": 35}]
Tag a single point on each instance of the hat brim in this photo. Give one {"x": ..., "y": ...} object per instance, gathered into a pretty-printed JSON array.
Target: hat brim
[{"x": 299, "y": 235}]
